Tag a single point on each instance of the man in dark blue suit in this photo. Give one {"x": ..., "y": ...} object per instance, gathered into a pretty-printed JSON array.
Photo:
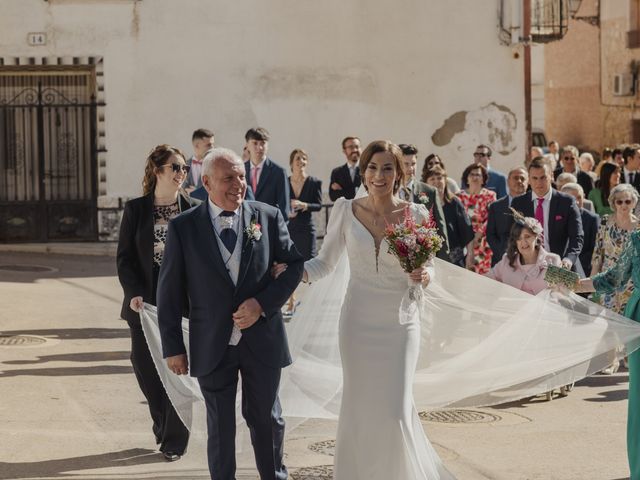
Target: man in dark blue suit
[
  {"x": 218, "y": 256},
  {"x": 557, "y": 213},
  {"x": 498, "y": 222},
  {"x": 268, "y": 180},
  {"x": 590, "y": 226}
]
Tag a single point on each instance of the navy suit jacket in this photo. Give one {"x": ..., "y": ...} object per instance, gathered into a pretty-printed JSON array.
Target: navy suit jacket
[
  {"x": 565, "y": 231},
  {"x": 273, "y": 186},
  {"x": 498, "y": 228},
  {"x": 341, "y": 176},
  {"x": 590, "y": 225},
  {"x": 192, "y": 264}
]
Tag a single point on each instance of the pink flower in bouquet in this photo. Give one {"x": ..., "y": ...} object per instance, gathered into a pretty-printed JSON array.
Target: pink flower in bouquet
[{"x": 402, "y": 248}]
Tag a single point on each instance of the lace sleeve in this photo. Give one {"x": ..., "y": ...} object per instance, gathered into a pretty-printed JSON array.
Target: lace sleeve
[
  {"x": 620, "y": 273},
  {"x": 333, "y": 244}
]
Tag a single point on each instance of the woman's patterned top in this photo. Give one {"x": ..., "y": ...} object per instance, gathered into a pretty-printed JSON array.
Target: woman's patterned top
[
  {"x": 161, "y": 216},
  {"x": 477, "y": 207},
  {"x": 626, "y": 269},
  {"x": 610, "y": 242}
]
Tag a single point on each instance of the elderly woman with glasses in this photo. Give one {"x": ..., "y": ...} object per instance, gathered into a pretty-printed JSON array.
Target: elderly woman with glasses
[
  {"x": 476, "y": 199},
  {"x": 612, "y": 236},
  {"x": 143, "y": 232}
]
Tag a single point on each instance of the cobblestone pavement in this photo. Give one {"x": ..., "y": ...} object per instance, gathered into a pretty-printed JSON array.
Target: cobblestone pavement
[{"x": 70, "y": 407}]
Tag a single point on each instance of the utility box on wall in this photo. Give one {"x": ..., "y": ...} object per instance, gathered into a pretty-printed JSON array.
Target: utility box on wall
[{"x": 623, "y": 85}]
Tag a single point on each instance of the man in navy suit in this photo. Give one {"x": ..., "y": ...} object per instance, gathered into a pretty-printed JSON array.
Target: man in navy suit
[
  {"x": 268, "y": 180},
  {"x": 631, "y": 170},
  {"x": 590, "y": 226},
  {"x": 497, "y": 181},
  {"x": 345, "y": 180},
  {"x": 218, "y": 256},
  {"x": 557, "y": 213},
  {"x": 498, "y": 223}
]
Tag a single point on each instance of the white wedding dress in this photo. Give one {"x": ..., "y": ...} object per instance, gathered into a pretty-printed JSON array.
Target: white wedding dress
[{"x": 379, "y": 432}]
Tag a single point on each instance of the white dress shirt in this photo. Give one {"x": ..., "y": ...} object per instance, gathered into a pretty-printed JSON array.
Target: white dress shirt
[
  {"x": 253, "y": 171},
  {"x": 231, "y": 260},
  {"x": 545, "y": 209},
  {"x": 352, "y": 171}
]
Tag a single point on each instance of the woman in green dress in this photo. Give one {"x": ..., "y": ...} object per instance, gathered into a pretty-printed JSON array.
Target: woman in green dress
[
  {"x": 609, "y": 178},
  {"x": 627, "y": 267}
]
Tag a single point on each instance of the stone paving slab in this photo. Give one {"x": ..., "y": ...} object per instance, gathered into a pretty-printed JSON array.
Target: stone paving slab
[{"x": 70, "y": 407}]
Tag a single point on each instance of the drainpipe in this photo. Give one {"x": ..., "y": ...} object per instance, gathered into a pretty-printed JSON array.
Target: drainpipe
[{"x": 526, "y": 40}]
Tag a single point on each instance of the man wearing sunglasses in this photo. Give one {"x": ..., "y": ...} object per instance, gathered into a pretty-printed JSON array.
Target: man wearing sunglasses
[
  {"x": 496, "y": 181},
  {"x": 569, "y": 164}
]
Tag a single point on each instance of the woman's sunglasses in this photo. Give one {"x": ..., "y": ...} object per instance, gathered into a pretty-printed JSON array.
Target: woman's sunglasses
[
  {"x": 625, "y": 202},
  {"x": 176, "y": 167}
]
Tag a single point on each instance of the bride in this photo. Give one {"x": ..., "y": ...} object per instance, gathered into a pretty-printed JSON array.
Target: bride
[{"x": 379, "y": 432}]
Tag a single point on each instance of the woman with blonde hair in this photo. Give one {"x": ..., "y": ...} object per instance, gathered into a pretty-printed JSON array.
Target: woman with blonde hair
[{"x": 143, "y": 232}]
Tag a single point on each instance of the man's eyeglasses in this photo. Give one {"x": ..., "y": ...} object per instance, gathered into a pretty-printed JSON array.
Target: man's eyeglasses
[
  {"x": 568, "y": 158},
  {"x": 176, "y": 167},
  {"x": 625, "y": 202},
  {"x": 478, "y": 154}
]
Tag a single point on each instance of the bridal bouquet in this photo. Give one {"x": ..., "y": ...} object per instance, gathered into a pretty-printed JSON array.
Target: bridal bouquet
[{"x": 413, "y": 244}]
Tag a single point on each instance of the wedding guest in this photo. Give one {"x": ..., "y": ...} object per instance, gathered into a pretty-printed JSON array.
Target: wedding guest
[
  {"x": 569, "y": 162},
  {"x": 416, "y": 191},
  {"x": 140, "y": 252},
  {"x": 202, "y": 141},
  {"x": 609, "y": 178},
  {"x": 306, "y": 197},
  {"x": 536, "y": 152},
  {"x": 607, "y": 155},
  {"x": 566, "y": 178},
  {"x": 433, "y": 160},
  {"x": 612, "y": 237},
  {"x": 618, "y": 156},
  {"x": 590, "y": 226},
  {"x": 476, "y": 199},
  {"x": 631, "y": 171},
  {"x": 587, "y": 165},
  {"x": 498, "y": 223},
  {"x": 557, "y": 213},
  {"x": 345, "y": 180},
  {"x": 496, "y": 181},
  {"x": 525, "y": 262},
  {"x": 459, "y": 230},
  {"x": 554, "y": 149},
  {"x": 268, "y": 180},
  {"x": 618, "y": 276}
]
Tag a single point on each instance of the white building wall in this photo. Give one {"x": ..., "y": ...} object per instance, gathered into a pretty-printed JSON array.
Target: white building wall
[{"x": 311, "y": 72}]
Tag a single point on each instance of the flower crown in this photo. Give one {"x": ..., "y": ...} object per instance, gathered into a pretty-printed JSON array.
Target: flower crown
[{"x": 527, "y": 222}]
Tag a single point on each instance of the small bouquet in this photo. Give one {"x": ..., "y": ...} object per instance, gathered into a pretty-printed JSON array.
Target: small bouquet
[
  {"x": 413, "y": 244},
  {"x": 560, "y": 276}
]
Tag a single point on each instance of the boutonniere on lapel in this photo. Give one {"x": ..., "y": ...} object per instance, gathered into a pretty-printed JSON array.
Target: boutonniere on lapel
[
  {"x": 253, "y": 231},
  {"x": 423, "y": 198}
]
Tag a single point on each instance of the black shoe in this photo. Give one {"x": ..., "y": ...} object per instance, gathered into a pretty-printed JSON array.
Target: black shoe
[{"x": 171, "y": 456}]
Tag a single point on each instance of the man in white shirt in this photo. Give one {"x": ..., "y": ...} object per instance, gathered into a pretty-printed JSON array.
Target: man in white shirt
[
  {"x": 631, "y": 169},
  {"x": 345, "y": 180}
]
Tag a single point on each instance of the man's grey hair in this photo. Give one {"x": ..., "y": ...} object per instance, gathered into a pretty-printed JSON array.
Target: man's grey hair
[
  {"x": 572, "y": 149},
  {"x": 572, "y": 187},
  {"x": 622, "y": 188},
  {"x": 518, "y": 169},
  {"x": 565, "y": 178},
  {"x": 209, "y": 159}
]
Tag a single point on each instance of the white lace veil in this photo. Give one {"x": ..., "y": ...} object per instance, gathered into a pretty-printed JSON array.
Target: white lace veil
[{"x": 483, "y": 343}]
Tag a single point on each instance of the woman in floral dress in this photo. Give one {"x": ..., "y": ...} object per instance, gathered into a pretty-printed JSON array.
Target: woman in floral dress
[
  {"x": 476, "y": 200},
  {"x": 612, "y": 237}
]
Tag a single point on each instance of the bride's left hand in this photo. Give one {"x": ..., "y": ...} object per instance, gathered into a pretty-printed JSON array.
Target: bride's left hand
[{"x": 421, "y": 275}]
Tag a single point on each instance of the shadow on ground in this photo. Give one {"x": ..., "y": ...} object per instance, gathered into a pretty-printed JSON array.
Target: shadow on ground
[
  {"x": 60, "y": 468},
  {"x": 74, "y": 333},
  {"x": 56, "y": 266},
  {"x": 74, "y": 357},
  {"x": 68, "y": 371}
]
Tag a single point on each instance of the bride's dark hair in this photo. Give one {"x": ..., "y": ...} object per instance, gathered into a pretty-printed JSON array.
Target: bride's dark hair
[{"x": 382, "y": 146}]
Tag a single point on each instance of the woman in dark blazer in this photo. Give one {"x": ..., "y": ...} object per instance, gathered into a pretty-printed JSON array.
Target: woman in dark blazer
[
  {"x": 306, "y": 197},
  {"x": 140, "y": 249},
  {"x": 459, "y": 229}
]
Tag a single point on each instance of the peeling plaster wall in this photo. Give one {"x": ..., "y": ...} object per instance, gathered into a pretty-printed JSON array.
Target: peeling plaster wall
[{"x": 311, "y": 72}]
